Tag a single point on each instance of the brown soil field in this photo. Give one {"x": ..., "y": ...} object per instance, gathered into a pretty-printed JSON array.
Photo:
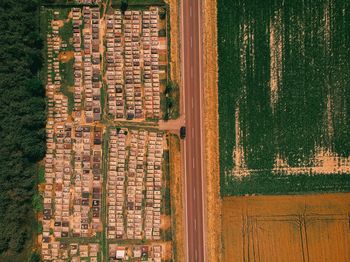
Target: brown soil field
[
  {"x": 65, "y": 56},
  {"x": 176, "y": 192},
  {"x": 210, "y": 123},
  {"x": 165, "y": 222},
  {"x": 286, "y": 228}
]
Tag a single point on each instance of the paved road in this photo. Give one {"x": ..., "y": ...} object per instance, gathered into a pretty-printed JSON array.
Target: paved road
[{"x": 191, "y": 42}]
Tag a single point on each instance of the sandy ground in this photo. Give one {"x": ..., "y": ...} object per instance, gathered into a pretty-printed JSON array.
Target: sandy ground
[
  {"x": 275, "y": 56},
  {"x": 286, "y": 228},
  {"x": 172, "y": 125},
  {"x": 65, "y": 56},
  {"x": 176, "y": 189},
  {"x": 165, "y": 222},
  {"x": 212, "y": 177}
]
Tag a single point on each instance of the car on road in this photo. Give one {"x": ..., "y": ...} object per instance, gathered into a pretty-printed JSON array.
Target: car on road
[{"x": 182, "y": 132}]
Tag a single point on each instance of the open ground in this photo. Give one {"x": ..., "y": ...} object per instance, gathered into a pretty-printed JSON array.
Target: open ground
[{"x": 286, "y": 228}]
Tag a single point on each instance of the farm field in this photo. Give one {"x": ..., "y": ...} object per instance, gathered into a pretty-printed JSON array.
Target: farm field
[
  {"x": 283, "y": 96},
  {"x": 286, "y": 228}
]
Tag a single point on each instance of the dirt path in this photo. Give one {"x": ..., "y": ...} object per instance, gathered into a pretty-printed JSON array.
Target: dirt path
[
  {"x": 176, "y": 191},
  {"x": 172, "y": 125},
  {"x": 212, "y": 176}
]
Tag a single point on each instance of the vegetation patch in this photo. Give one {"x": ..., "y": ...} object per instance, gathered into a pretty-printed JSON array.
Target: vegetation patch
[
  {"x": 68, "y": 83},
  {"x": 283, "y": 104},
  {"x": 171, "y": 101},
  {"x": 22, "y": 124}
]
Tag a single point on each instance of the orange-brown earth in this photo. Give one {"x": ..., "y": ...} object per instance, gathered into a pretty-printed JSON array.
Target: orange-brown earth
[
  {"x": 210, "y": 125},
  {"x": 65, "y": 56},
  {"x": 286, "y": 228},
  {"x": 177, "y": 205}
]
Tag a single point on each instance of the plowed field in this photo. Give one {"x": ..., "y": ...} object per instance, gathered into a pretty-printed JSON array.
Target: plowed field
[{"x": 286, "y": 228}]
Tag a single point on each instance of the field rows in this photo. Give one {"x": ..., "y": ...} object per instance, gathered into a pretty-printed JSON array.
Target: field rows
[{"x": 283, "y": 84}]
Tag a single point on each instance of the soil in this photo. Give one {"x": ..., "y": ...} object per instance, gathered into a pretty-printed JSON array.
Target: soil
[
  {"x": 167, "y": 251},
  {"x": 210, "y": 122},
  {"x": 65, "y": 56},
  {"x": 275, "y": 57},
  {"x": 176, "y": 190},
  {"x": 60, "y": 23},
  {"x": 165, "y": 222},
  {"x": 286, "y": 228}
]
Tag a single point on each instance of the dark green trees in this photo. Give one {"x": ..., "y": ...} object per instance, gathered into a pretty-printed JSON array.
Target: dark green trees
[{"x": 22, "y": 119}]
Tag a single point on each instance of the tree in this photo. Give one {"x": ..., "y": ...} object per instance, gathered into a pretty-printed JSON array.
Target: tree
[
  {"x": 35, "y": 257},
  {"x": 124, "y": 5}
]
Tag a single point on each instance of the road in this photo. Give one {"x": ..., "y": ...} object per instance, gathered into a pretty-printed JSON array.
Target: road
[{"x": 193, "y": 159}]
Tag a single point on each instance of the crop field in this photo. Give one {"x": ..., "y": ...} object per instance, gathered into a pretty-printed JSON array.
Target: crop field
[
  {"x": 286, "y": 228},
  {"x": 284, "y": 104}
]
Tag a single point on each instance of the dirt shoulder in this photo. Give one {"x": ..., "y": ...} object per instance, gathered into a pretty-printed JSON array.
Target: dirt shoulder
[
  {"x": 175, "y": 66},
  {"x": 176, "y": 192},
  {"x": 210, "y": 122}
]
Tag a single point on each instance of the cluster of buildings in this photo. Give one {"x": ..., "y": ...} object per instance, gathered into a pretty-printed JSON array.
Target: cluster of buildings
[
  {"x": 132, "y": 59},
  {"x": 115, "y": 64},
  {"x": 72, "y": 193},
  {"x": 116, "y": 184},
  {"x": 154, "y": 185},
  {"x": 72, "y": 196},
  {"x": 150, "y": 45},
  {"x": 58, "y": 172},
  {"x": 134, "y": 184},
  {"x": 73, "y": 252},
  {"x": 87, "y": 73},
  {"x": 89, "y": 1},
  {"x": 57, "y": 102},
  {"x": 73, "y": 164},
  {"x": 87, "y": 190},
  {"x": 135, "y": 252}
]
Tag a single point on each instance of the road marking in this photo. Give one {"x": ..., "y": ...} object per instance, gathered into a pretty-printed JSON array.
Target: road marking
[
  {"x": 191, "y": 42},
  {"x": 193, "y": 163},
  {"x": 191, "y": 71},
  {"x": 196, "y": 255},
  {"x": 194, "y": 194},
  {"x": 190, "y": 11}
]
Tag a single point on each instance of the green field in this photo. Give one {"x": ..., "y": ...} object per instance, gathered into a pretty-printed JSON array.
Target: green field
[{"x": 284, "y": 77}]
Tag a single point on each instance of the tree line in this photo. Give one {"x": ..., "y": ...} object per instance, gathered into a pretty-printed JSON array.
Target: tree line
[{"x": 22, "y": 119}]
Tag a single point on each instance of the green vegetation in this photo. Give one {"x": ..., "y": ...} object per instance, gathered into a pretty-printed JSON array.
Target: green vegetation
[
  {"x": 22, "y": 123},
  {"x": 284, "y": 77},
  {"x": 162, "y": 33},
  {"x": 167, "y": 234},
  {"x": 125, "y": 4},
  {"x": 170, "y": 101},
  {"x": 37, "y": 202},
  {"x": 68, "y": 83},
  {"x": 39, "y": 227},
  {"x": 275, "y": 184},
  {"x": 41, "y": 174},
  {"x": 66, "y": 31},
  {"x": 166, "y": 182},
  {"x": 35, "y": 257}
]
